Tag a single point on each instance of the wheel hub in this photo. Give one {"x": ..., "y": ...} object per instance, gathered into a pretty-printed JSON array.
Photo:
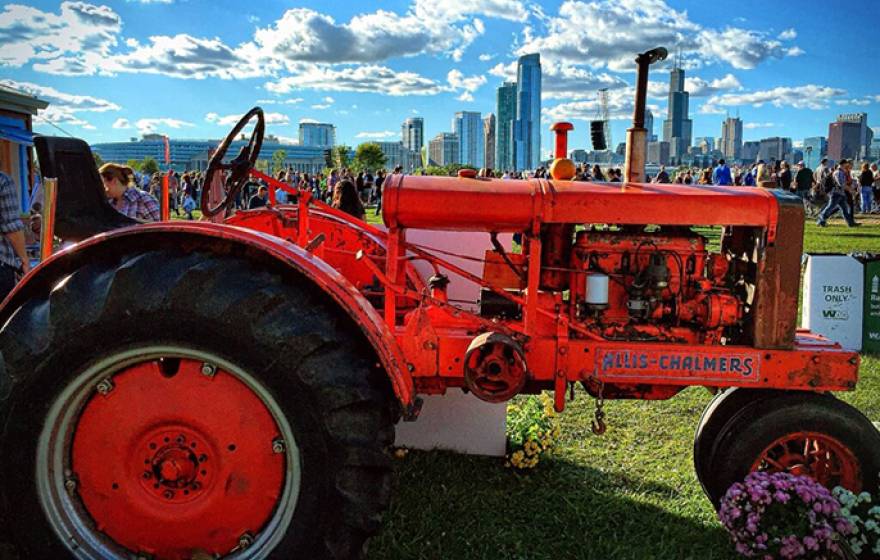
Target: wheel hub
[
  {"x": 175, "y": 464},
  {"x": 819, "y": 456},
  {"x": 172, "y": 461}
]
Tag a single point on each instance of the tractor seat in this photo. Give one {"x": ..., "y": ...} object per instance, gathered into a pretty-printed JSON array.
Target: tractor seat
[{"x": 82, "y": 209}]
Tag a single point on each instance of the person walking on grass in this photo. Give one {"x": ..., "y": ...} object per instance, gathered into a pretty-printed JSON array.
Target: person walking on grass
[
  {"x": 866, "y": 185},
  {"x": 837, "y": 198}
]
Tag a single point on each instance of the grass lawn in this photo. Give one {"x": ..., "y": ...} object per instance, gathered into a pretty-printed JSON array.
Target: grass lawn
[{"x": 628, "y": 494}]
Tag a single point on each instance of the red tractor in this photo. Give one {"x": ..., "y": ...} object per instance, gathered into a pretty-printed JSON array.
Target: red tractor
[{"x": 188, "y": 390}]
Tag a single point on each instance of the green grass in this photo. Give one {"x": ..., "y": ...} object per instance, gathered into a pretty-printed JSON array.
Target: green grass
[{"x": 630, "y": 494}]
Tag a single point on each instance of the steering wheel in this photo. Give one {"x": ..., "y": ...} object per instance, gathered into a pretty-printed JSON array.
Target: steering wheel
[{"x": 239, "y": 168}]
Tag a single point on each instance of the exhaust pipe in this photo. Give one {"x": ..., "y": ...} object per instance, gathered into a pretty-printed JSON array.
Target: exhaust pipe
[{"x": 637, "y": 136}]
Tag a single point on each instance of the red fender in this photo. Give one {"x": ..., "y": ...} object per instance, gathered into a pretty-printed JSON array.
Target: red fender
[{"x": 326, "y": 277}]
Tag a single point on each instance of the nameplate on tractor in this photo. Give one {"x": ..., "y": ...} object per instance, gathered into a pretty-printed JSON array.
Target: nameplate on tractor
[{"x": 673, "y": 364}]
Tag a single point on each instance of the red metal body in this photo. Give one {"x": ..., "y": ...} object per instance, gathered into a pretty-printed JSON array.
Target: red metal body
[
  {"x": 685, "y": 338},
  {"x": 674, "y": 314}
]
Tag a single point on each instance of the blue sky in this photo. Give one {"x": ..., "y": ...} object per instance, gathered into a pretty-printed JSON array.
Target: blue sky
[{"x": 187, "y": 68}]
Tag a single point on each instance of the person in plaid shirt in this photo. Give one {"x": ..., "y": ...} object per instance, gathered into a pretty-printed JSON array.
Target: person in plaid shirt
[
  {"x": 125, "y": 196},
  {"x": 13, "y": 255}
]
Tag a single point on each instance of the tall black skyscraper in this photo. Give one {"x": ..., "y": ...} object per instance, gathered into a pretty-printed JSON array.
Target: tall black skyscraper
[{"x": 677, "y": 128}]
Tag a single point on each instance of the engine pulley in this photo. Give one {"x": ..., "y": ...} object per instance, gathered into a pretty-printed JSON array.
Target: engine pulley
[{"x": 495, "y": 367}]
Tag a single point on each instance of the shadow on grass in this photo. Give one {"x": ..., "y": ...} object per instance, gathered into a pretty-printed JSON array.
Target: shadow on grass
[{"x": 448, "y": 506}]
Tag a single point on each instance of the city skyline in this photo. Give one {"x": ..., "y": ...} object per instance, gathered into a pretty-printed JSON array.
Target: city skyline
[{"x": 111, "y": 73}]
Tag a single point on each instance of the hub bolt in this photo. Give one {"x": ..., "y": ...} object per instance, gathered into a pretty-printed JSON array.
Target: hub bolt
[
  {"x": 168, "y": 494},
  {"x": 104, "y": 387},
  {"x": 245, "y": 541},
  {"x": 208, "y": 370},
  {"x": 278, "y": 446},
  {"x": 70, "y": 485}
]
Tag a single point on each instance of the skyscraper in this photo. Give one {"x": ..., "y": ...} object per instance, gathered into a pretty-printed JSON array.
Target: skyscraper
[
  {"x": 443, "y": 149},
  {"x": 815, "y": 148},
  {"x": 506, "y": 114},
  {"x": 489, "y": 140},
  {"x": 732, "y": 138},
  {"x": 468, "y": 126},
  {"x": 677, "y": 127},
  {"x": 412, "y": 134},
  {"x": 774, "y": 149},
  {"x": 865, "y": 133},
  {"x": 527, "y": 126},
  {"x": 844, "y": 140},
  {"x": 649, "y": 125},
  {"x": 317, "y": 134}
]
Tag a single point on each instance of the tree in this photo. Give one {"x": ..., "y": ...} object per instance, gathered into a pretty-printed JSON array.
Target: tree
[
  {"x": 149, "y": 166},
  {"x": 134, "y": 164},
  {"x": 340, "y": 155},
  {"x": 368, "y": 156},
  {"x": 99, "y": 161},
  {"x": 278, "y": 158}
]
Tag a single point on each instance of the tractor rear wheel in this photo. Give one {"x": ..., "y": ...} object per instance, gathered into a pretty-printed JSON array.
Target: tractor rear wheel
[
  {"x": 174, "y": 404},
  {"x": 805, "y": 434}
]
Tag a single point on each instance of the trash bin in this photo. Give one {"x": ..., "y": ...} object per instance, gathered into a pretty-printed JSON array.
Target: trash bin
[
  {"x": 871, "y": 315},
  {"x": 834, "y": 298}
]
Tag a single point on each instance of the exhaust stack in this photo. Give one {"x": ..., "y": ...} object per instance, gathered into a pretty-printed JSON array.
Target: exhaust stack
[{"x": 637, "y": 136}]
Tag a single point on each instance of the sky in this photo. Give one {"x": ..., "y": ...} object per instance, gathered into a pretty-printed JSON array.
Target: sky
[{"x": 189, "y": 68}]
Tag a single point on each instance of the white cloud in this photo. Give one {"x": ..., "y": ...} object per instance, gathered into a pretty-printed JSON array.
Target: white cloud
[
  {"x": 64, "y": 108},
  {"x": 185, "y": 56},
  {"x": 73, "y": 40},
  {"x": 308, "y": 121},
  {"x": 465, "y": 96},
  {"x": 305, "y": 35},
  {"x": 620, "y": 107},
  {"x": 486, "y": 57},
  {"x": 469, "y": 84},
  {"x": 370, "y": 79},
  {"x": 742, "y": 48},
  {"x": 799, "y": 97},
  {"x": 121, "y": 123},
  {"x": 561, "y": 80},
  {"x": 698, "y": 87},
  {"x": 608, "y": 33},
  {"x": 378, "y": 135},
  {"x": 788, "y": 35},
  {"x": 154, "y": 125},
  {"x": 859, "y": 101},
  {"x": 754, "y": 125},
  {"x": 292, "y": 101},
  {"x": 229, "y": 120}
]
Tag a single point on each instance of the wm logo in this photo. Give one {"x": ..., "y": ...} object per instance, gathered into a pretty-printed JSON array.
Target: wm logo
[{"x": 835, "y": 314}]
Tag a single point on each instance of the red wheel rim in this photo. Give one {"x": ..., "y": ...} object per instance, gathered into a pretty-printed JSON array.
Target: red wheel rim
[
  {"x": 170, "y": 461},
  {"x": 819, "y": 456}
]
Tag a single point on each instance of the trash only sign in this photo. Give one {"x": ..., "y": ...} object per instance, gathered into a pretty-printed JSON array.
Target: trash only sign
[
  {"x": 833, "y": 298},
  {"x": 871, "y": 330}
]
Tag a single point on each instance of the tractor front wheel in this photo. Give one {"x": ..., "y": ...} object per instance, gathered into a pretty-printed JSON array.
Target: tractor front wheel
[
  {"x": 175, "y": 404},
  {"x": 804, "y": 434}
]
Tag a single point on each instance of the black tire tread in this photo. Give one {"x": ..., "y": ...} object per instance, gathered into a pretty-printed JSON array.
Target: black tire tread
[{"x": 274, "y": 310}]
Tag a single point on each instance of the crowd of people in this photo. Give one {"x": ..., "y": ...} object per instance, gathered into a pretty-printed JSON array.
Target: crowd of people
[
  {"x": 137, "y": 195},
  {"x": 825, "y": 190}
]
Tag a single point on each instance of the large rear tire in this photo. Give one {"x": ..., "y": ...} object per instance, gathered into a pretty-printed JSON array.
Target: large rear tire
[
  {"x": 134, "y": 361},
  {"x": 805, "y": 434}
]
